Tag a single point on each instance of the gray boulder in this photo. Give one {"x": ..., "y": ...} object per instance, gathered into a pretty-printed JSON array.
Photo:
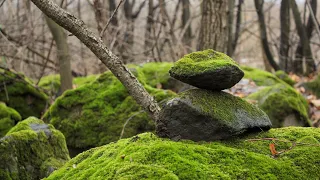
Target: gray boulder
[
  {"x": 199, "y": 114},
  {"x": 207, "y": 69}
]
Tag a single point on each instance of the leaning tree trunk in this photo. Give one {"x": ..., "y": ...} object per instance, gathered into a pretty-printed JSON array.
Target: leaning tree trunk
[
  {"x": 303, "y": 52},
  {"x": 212, "y": 28},
  {"x": 63, "y": 54},
  {"x": 263, "y": 34},
  {"x": 285, "y": 34},
  {"x": 96, "y": 45}
]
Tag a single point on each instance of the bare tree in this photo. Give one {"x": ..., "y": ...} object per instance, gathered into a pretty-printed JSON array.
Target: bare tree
[
  {"x": 96, "y": 45},
  {"x": 303, "y": 52},
  {"x": 212, "y": 27},
  {"x": 63, "y": 55},
  {"x": 285, "y": 34},
  {"x": 237, "y": 31},
  {"x": 230, "y": 27},
  {"x": 185, "y": 16},
  {"x": 263, "y": 34}
]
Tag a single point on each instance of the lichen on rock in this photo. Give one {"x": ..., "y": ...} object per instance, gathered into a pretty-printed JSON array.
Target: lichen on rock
[
  {"x": 94, "y": 114},
  {"x": 280, "y": 101},
  {"x": 18, "y": 93},
  {"x": 207, "y": 69},
  {"x": 8, "y": 118},
  {"x": 31, "y": 150},
  {"x": 146, "y": 156}
]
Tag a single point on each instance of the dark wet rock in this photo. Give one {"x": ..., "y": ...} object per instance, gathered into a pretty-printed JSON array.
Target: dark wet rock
[
  {"x": 207, "y": 69},
  {"x": 31, "y": 150},
  {"x": 208, "y": 115}
]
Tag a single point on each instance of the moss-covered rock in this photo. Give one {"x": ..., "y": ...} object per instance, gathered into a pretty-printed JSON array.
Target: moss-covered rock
[
  {"x": 260, "y": 77},
  {"x": 203, "y": 115},
  {"x": 284, "y": 77},
  {"x": 147, "y": 157},
  {"x": 18, "y": 93},
  {"x": 51, "y": 83},
  {"x": 314, "y": 86},
  {"x": 280, "y": 101},
  {"x": 8, "y": 118},
  {"x": 31, "y": 150},
  {"x": 95, "y": 113},
  {"x": 207, "y": 69}
]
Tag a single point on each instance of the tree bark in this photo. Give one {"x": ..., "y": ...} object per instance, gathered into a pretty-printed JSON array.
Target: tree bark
[
  {"x": 303, "y": 52},
  {"x": 96, "y": 45},
  {"x": 238, "y": 23},
  {"x": 263, "y": 34},
  {"x": 147, "y": 37},
  {"x": 285, "y": 34},
  {"x": 185, "y": 16},
  {"x": 212, "y": 32},
  {"x": 62, "y": 54},
  {"x": 230, "y": 27}
]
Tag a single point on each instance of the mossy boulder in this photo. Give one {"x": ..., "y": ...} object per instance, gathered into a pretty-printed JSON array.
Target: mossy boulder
[
  {"x": 260, "y": 77},
  {"x": 18, "y": 93},
  {"x": 148, "y": 157},
  {"x": 280, "y": 102},
  {"x": 31, "y": 150},
  {"x": 199, "y": 114},
  {"x": 51, "y": 83},
  {"x": 207, "y": 69},
  {"x": 314, "y": 86},
  {"x": 8, "y": 118},
  {"x": 95, "y": 113},
  {"x": 284, "y": 77}
]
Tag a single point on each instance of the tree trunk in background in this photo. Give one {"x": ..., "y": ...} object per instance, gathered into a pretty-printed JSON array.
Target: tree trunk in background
[
  {"x": 62, "y": 54},
  {"x": 230, "y": 27},
  {"x": 185, "y": 16},
  {"x": 263, "y": 34},
  {"x": 285, "y": 34},
  {"x": 238, "y": 23},
  {"x": 147, "y": 37},
  {"x": 212, "y": 28},
  {"x": 303, "y": 53}
]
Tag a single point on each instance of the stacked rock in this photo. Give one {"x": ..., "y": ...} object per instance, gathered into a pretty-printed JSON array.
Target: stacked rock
[{"x": 208, "y": 113}]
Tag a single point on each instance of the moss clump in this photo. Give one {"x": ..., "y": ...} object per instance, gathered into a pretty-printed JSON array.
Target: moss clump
[
  {"x": 260, "y": 77},
  {"x": 18, "y": 93},
  {"x": 314, "y": 86},
  {"x": 8, "y": 118},
  {"x": 31, "y": 150},
  {"x": 147, "y": 157},
  {"x": 157, "y": 73},
  {"x": 95, "y": 113},
  {"x": 201, "y": 62},
  {"x": 284, "y": 77},
  {"x": 280, "y": 101}
]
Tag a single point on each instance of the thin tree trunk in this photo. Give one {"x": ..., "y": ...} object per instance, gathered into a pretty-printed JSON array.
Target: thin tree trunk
[
  {"x": 230, "y": 27},
  {"x": 62, "y": 54},
  {"x": 263, "y": 34},
  {"x": 304, "y": 53},
  {"x": 185, "y": 16},
  {"x": 212, "y": 32},
  {"x": 285, "y": 34},
  {"x": 147, "y": 37},
  {"x": 96, "y": 45},
  {"x": 238, "y": 23}
]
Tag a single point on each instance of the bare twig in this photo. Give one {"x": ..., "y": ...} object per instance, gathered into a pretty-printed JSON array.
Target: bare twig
[
  {"x": 46, "y": 62},
  {"x": 127, "y": 121},
  {"x": 114, "y": 12}
]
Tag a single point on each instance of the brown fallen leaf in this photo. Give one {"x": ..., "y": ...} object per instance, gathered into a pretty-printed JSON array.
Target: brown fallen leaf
[{"x": 273, "y": 149}]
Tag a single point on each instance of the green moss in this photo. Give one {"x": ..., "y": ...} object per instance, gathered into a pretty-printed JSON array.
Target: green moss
[
  {"x": 220, "y": 105},
  {"x": 284, "y": 77},
  {"x": 95, "y": 113},
  {"x": 279, "y": 101},
  {"x": 260, "y": 77},
  {"x": 200, "y": 62},
  {"x": 147, "y": 157},
  {"x": 314, "y": 86},
  {"x": 18, "y": 93},
  {"x": 8, "y": 118},
  {"x": 31, "y": 150}
]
